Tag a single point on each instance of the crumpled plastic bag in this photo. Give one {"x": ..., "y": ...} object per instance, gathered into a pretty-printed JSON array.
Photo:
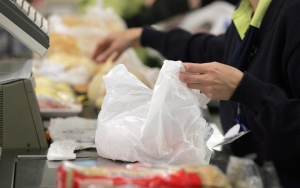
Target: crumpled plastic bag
[
  {"x": 163, "y": 126},
  {"x": 62, "y": 150}
]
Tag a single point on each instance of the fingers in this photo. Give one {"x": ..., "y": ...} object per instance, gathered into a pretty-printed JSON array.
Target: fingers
[
  {"x": 105, "y": 54},
  {"x": 107, "y": 48},
  {"x": 195, "y": 68},
  {"x": 117, "y": 42},
  {"x": 214, "y": 79},
  {"x": 118, "y": 54},
  {"x": 191, "y": 78},
  {"x": 101, "y": 46},
  {"x": 195, "y": 86},
  {"x": 113, "y": 57}
]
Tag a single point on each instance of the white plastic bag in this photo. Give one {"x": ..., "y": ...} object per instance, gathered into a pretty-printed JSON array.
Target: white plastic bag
[
  {"x": 62, "y": 150},
  {"x": 163, "y": 126},
  {"x": 218, "y": 14}
]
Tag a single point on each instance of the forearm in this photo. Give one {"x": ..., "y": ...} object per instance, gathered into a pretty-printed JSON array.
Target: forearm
[{"x": 180, "y": 45}]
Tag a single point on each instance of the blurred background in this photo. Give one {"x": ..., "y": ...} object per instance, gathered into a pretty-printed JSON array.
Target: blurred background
[{"x": 68, "y": 81}]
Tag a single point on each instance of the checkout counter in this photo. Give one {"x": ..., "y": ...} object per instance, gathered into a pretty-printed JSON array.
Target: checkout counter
[{"x": 30, "y": 167}]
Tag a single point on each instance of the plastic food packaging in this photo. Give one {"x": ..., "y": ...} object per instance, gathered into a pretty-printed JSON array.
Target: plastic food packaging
[
  {"x": 243, "y": 173},
  {"x": 50, "y": 107},
  {"x": 73, "y": 39},
  {"x": 80, "y": 130},
  {"x": 269, "y": 175},
  {"x": 139, "y": 175},
  {"x": 48, "y": 88},
  {"x": 161, "y": 126},
  {"x": 87, "y": 29}
]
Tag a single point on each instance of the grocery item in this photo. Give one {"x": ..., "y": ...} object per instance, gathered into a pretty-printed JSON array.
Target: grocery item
[
  {"x": 66, "y": 68},
  {"x": 71, "y": 61},
  {"x": 73, "y": 39},
  {"x": 140, "y": 175},
  {"x": 243, "y": 173},
  {"x": 89, "y": 20},
  {"x": 81, "y": 89},
  {"x": 96, "y": 89},
  {"x": 63, "y": 43},
  {"x": 76, "y": 20},
  {"x": 48, "y": 88},
  {"x": 45, "y": 103},
  {"x": 77, "y": 129},
  {"x": 63, "y": 110},
  {"x": 55, "y": 99}
]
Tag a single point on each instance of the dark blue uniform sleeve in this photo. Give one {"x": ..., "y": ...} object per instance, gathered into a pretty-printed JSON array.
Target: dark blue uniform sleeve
[{"x": 178, "y": 44}]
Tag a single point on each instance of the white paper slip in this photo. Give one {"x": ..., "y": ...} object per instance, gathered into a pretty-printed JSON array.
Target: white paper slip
[
  {"x": 232, "y": 131},
  {"x": 14, "y": 70},
  {"x": 231, "y": 135}
]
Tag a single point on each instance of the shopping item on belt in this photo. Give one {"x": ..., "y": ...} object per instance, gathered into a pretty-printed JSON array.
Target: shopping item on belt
[
  {"x": 163, "y": 126},
  {"x": 72, "y": 175}
]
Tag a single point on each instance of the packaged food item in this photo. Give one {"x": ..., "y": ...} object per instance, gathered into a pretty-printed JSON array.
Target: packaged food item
[
  {"x": 50, "y": 108},
  {"x": 70, "y": 61},
  {"x": 45, "y": 103},
  {"x": 63, "y": 43},
  {"x": 140, "y": 175},
  {"x": 77, "y": 129},
  {"x": 47, "y": 88},
  {"x": 81, "y": 89},
  {"x": 243, "y": 173},
  {"x": 76, "y": 20},
  {"x": 96, "y": 90},
  {"x": 55, "y": 99}
]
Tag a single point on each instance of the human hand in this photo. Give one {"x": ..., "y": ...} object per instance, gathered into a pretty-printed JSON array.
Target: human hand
[
  {"x": 117, "y": 43},
  {"x": 194, "y": 4},
  {"x": 36, "y": 3},
  {"x": 215, "y": 80}
]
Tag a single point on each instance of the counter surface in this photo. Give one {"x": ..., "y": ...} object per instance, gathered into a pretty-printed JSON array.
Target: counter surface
[{"x": 30, "y": 168}]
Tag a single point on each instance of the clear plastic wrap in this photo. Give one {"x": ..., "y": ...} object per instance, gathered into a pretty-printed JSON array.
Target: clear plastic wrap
[
  {"x": 243, "y": 173},
  {"x": 73, "y": 39},
  {"x": 80, "y": 130},
  {"x": 163, "y": 126},
  {"x": 50, "y": 89}
]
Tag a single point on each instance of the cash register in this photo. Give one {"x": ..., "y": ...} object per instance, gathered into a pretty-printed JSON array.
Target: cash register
[{"x": 20, "y": 121}]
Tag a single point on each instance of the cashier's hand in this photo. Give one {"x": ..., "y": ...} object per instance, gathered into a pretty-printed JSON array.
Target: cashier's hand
[
  {"x": 114, "y": 44},
  {"x": 215, "y": 80}
]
